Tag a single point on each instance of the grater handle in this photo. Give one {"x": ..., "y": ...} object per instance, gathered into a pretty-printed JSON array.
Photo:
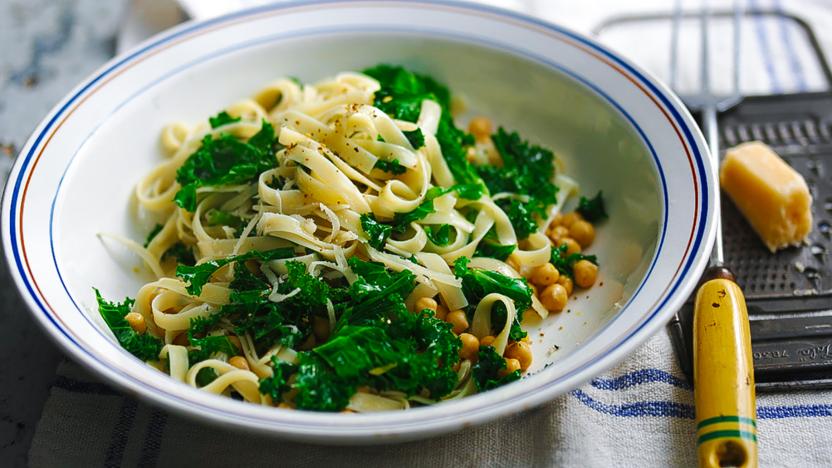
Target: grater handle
[{"x": 726, "y": 426}]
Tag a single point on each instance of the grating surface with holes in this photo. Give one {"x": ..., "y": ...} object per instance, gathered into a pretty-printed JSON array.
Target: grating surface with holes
[
  {"x": 804, "y": 140},
  {"x": 788, "y": 294}
]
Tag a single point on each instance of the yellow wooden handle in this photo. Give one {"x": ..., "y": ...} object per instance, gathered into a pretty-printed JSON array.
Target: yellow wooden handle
[{"x": 726, "y": 425}]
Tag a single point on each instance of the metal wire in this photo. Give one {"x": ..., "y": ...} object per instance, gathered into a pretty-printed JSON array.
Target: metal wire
[
  {"x": 752, "y": 13},
  {"x": 706, "y": 100},
  {"x": 676, "y": 19},
  {"x": 711, "y": 126}
]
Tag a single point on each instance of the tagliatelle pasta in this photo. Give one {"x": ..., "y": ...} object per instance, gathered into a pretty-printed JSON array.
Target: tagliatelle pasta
[{"x": 344, "y": 246}]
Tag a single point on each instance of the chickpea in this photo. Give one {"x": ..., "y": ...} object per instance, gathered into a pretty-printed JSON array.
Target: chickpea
[
  {"x": 583, "y": 232},
  {"x": 557, "y": 233},
  {"x": 493, "y": 155},
  {"x": 513, "y": 262},
  {"x": 567, "y": 284},
  {"x": 292, "y": 393},
  {"x": 285, "y": 405},
  {"x": 585, "y": 273},
  {"x": 136, "y": 322},
  {"x": 320, "y": 327},
  {"x": 556, "y": 221},
  {"x": 239, "y": 362},
  {"x": 572, "y": 245},
  {"x": 554, "y": 298},
  {"x": 470, "y": 346},
  {"x": 545, "y": 274},
  {"x": 458, "y": 319},
  {"x": 308, "y": 343},
  {"x": 471, "y": 154},
  {"x": 426, "y": 303},
  {"x": 480, "y": 127},
  {"x": 521, "y": 351},
  {"x": 570, "y": 218},
  {"x": 181, "y": 339},
  {"x": 511, "y": 366},
  {"x": 487, "y": 340},
  {"x": 441, "y": 312}
]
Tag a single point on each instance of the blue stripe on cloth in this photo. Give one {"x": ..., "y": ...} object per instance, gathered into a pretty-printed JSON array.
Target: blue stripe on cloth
[
  {"x": 640, "y": 408},
  {"x": 114, "y": 457},
  {"x": 638, "y": 377},
  {"x": 152, "y": 445},
  {"x": 765, "y": 50},
  {"x": 797, "y": 411},
  {"x": 786, "y": 36},
  {"x": 77, "y": 386},
  {"x": 672, "y": 409}
]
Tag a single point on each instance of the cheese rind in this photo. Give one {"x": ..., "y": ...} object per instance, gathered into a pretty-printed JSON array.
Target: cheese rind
[{"x": 772, "y": 196}]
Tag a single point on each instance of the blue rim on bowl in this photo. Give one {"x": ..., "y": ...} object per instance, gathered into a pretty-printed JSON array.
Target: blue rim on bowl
[{"x": 537, "y": 389}]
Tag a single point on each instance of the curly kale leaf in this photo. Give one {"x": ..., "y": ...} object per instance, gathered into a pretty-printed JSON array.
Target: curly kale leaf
[
  {"x": 152, "y": 234},
  {"x": 415, "y": 137},
  {"x": 520, "y": 216},
  {"x": 403, "y": 91},
  {"x": 492, "y": 248},
  {"x": 204, "y": 345},
  {"x": 564, "y": 263},
  {"x": 487, "y": 370},
  {"x": 225, "y": 160},
  {"x": 183, "y": 254},
  {"x": 402, "y": 220},
  {"x": 592, "y": 209},
  {"x": 196, "y": 276},
  {"x": 378, "y": 343},
  {"x": 375, "y": 293},
  {"x": 179, "y": 251},
  {"x": 526, "y": 169},
  {"x": 392, "y": 167},
  {"x": 377, "y": 232},
  {"x": 439, "y": 235},
  {"x": 216, "y": 217},
  {"x": 401, "y": 95},
  {"x": 476, "y": 284},
  {"x": 142, "y": 345},
  {"x": 312, "y": 291},
  {"x": 268, "y": 323},
  {"x": 318, "y": 387},
  {"x": 223, "y": 118},
  {"x": 278, "y": 384},
  {"x": 412, "y": 353}
]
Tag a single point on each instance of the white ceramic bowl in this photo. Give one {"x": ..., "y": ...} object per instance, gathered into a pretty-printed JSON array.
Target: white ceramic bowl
[{"x": 615, "y": 128}]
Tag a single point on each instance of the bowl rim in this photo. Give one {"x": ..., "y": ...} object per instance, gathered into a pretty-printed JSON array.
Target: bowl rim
[{"x": 369, "y": 424}]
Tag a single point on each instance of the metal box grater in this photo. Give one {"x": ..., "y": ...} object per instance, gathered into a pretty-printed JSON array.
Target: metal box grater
[{"x": 788, "y": 294}]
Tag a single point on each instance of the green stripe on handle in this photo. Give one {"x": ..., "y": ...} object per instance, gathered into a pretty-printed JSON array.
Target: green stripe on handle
[
  {"x": 724, "y": 434},
  {"x": 721, "y": 419}
]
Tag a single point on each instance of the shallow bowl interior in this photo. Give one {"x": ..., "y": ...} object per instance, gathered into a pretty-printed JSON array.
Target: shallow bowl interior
[
  {"x": 597, "y": 146},
  {"x": 602, "y": 129}
]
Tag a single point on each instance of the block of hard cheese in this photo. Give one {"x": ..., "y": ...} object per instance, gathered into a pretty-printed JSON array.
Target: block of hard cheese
[{"x": 771, "y": 195}]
